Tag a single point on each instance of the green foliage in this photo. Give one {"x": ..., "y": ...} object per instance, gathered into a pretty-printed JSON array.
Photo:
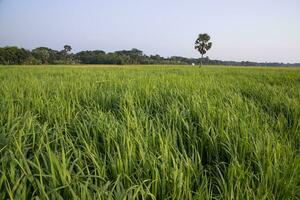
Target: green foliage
[
  {"x": 45, "y": 55},
  {"x": 15, "y": 56},
  {"x": 40, "y": 55},
  {"x": 149, "y": 133}
]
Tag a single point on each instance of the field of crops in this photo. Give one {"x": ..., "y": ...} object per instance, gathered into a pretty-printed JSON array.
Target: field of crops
[{"x": 155, "y": 132}]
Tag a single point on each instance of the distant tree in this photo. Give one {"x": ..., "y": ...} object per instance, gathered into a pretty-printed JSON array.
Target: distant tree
[
  {"x": 67, "y": 48},
  {"x": 202, "y": 45},
  {"x": 43, "y": 55},
  {"x": 136, "y": 52},
  {"x": 63, "y": 56},
  {"x": 91, "y": 57}
]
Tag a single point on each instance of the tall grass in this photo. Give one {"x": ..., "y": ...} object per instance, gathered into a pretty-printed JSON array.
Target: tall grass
[{"x": 149, "y": 133}]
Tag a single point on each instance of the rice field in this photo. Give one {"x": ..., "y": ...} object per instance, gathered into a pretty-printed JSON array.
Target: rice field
[{"x": 149, "y": 132}]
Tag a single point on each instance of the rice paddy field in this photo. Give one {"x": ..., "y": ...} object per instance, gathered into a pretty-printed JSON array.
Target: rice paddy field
[{"x": 149, "y": 132}]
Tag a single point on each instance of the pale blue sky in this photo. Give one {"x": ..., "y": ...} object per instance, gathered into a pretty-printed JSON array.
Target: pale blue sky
[{"x": 256, "y": 30}]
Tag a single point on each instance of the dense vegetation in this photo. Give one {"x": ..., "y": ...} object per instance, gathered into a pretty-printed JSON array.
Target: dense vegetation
[
  {"x": 149, "y": 133},
  {"x": 44, "y": 55}
]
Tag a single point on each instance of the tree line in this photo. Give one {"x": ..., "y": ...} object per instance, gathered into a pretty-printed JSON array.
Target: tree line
[{"x": 45, "y": 55}]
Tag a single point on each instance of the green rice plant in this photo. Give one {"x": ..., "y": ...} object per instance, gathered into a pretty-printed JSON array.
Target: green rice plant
[{"x": 149, "y": 132}]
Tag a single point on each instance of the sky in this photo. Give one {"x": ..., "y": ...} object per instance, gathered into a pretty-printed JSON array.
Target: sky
[{"x": 249, "y": 30}]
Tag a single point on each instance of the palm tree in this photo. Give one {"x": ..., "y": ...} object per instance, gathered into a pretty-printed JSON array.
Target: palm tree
[{"x": 202, "y": 44}]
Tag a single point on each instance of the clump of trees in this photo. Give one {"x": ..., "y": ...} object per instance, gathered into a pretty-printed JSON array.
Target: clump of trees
[
  {"x": 45, "y": 55},
  {"x": 40, "y": 55},
  {"x": 15, "y": 56}
]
